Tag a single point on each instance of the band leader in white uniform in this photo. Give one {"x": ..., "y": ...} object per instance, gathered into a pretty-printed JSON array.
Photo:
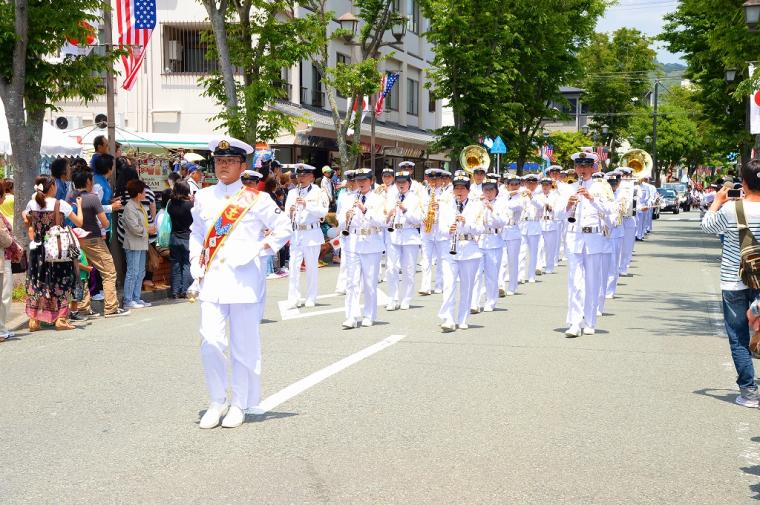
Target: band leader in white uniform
[
  {"x": 463, "y": 220},
  {"x": 362, "y": 248},
  {"x": 590, "y": 211},
  {"x": 231, "y": 282},
  {"x": 403, "y": 222},
  {"x": 307, "y": 205}
]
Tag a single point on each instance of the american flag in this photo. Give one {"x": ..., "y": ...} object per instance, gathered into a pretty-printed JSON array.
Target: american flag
[
  {"x": 386, "y": 85},
  {"x": 136, "y": 20},
  {"x": 549, "y": 151},
  {"x": 601, "y": 152}
]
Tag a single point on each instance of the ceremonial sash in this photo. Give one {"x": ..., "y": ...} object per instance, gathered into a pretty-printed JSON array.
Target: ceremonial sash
[{"x": 237, "y": 207}]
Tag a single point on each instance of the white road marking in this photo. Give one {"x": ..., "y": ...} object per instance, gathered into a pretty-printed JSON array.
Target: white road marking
[
  {"x": 312, "y": 380},
  {"x": 287, "y": 313}
]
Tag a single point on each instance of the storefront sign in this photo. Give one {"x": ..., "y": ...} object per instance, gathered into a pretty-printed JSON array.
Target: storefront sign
[{"x": 154, "y": 172}]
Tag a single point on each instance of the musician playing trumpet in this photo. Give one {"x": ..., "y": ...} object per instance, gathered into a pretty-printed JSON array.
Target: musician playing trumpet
[
  {"x": 346, "y": 198},
  {"x": 550, "y": 219},
  {"x": 491, "y": 244},
  {"x": 510, "y": 262},
  {"x": 530, "y": 228},
  {"x": 462, "y": 221},
  {"x": 403, "y": 220},
  {"x": 387, "y": 190}
]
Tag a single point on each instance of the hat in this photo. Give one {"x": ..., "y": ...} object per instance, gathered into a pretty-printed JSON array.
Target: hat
[
  {"x": 490, "y": 183},
  {"x": 546, "y": 180},
  {"x": 192, "y": 167},
  {"x": 554, "y": 168},
  {"x": 461, "y": 173},
  {"x": 362, "y": 173},
  {"x": 387, "y": 171},
  {"x": 512, "y": 178},
  {"x": 626, "y": 170},
  {"x": 492, "y": 175},
  {"x": 250, "y": 175},
  {"x": 350, "y": 174},
  {"x": 407, "y": 164},
  {"x": 584, "y": 158},
  {"x": 326, "y": 168},
  {"x": 403, "y": 175},
  {"x": 461, "y": 180},
  {"x": 432, "y": 172},
  {"x": 531, "y": 178},
  {"x": 597, "y": 175},
  {"x": 229, "y": 147},
  {"x": 479, "y": 169},
  {"x": 303, "y": 168},
  {"x": 444, "y": 173}
]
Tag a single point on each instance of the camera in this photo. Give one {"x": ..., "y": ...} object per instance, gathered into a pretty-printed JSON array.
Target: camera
[{"x": 734, "y": 193}]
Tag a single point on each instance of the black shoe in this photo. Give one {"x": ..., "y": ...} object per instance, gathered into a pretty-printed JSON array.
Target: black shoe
[
  {"x": 173, "y": 297},
  {"x": 182, "y": 295},
  {"x": 91, "y": 314},
  {"x": 118, "y": 313},
  {"x": 76, "y": 316}
]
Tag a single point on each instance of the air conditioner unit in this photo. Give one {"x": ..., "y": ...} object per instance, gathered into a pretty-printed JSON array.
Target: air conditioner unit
[
  {"x": 174, "y": 49},
  {"x": 68, "y": 122}
]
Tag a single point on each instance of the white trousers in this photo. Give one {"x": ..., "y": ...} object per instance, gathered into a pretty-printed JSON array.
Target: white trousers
[
  {"x": 510, "y": 265},
  {"x": 641, "y": 220},
  {"x": 531, "y": 256},
  {"x": 560, "y": 247},
  {"x": 244, "y": 352},
  {"x": 606, "y": 263},
  {"x": 550, "y": 249},
  {"x": 407, "y": 266},
  {"x": 431, "y": 254},
  {"x": 650, "y": 214},
  {"x": 584, "y": 275},
  {"x": 464, "y": 272},
  {"x": 309, "y": 255},
  {"x": 340, "y": 284},
  {"x": 362, "y": 271},
  {"x": 629, "y": 240},
  {"x": 6, "y": 293},
  {"x": 613, "y": 271},
  {"x": 391, "y": 259},
  {"x": 488, "y": 275}
]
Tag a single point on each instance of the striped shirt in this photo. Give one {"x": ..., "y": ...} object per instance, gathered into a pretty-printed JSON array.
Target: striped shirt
[{"x": 724, "y": 222}]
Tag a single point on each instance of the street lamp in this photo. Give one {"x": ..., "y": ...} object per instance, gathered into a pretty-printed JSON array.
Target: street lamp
[
  {"x": 730, "y": 75},
  {"x": 752, "y": 14},
  {"x": 348, "y": 23},
  {"x": 648, "y": 139},
  {"x": 585, "y": 129},
  {"x": 605, "y": 129},
  {"x": 398, "y": 28}
]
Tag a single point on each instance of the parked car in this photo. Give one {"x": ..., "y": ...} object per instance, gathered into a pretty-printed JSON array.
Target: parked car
[
  {"x": 669, "y": 200},
  {"x": 682, "y": 192}
]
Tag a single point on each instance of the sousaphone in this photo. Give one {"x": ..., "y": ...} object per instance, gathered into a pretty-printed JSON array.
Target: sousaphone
[
  {"x": 473, "y": 157},
  {"x": 639, "y": 161}
]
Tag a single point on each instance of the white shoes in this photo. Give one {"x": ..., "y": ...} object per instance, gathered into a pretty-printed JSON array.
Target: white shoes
[
  {"x": 234, "y": 418},
  {"x": 211, "y": 418},
  {"x": 309, "y": 304},
  {"x": 448, "y": 326},
  {"x": 487, "y": 309},
  {"x": 609, "y": 297},
  {"x": 475, "y": 310},
  {"x": 463, "y": 326},
  {"x": 340, "y": 291},
  {"x": 425, "y": 292},
  {"x": 294, "y": 304},
  {"x": 531, "y": 281},
  {"x": 404, "y": 306},
  {"x": 589, "y": 331},
  {"x": 573, "y": 331},
  {"x": 366, "y": 322},
  {"x": 350, "y": 323},
  {"x": 438, "y": 291},
  {"x": 391, "y": 306},
  {"x": 510, "y": 293}
]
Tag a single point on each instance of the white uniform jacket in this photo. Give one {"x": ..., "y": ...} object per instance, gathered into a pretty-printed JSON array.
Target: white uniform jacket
[
  {"x": 469, "y": 232},
  {"x": 441, "y": 198},
  {"x": 366, "y": 229},
  {"x": 550, "y": 213},
  {"x": 306, "y": 219},
  {"x": 513, "y": 208},
  {"x": 406, "y": 225},
  {"x": 531, "y": 215},
  {"x": 493, "y": 225},
  {"x": 237, "y": 271},
  {"x": 586, "y": 234}
]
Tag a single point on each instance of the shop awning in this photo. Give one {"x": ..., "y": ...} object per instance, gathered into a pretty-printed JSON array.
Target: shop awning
[{"x": 146, "y": 140}]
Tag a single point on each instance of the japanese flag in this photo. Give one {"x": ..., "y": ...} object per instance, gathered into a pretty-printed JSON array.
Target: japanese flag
[
  {"x": 335, "y": 243},
  {"x": 754, "y": 107}
]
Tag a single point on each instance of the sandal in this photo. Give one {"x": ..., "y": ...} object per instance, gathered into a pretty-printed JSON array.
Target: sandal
[
  {"x": 34, "y": 325},
  {"x": 63, "y": 325}
]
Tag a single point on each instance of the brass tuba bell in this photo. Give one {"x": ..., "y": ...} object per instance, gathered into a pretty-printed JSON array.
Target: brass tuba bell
[
  {"x": 473, "y": 157},
  {"x": 639, "y": 161}
]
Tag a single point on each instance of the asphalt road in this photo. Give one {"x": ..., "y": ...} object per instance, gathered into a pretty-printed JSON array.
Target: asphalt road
[{"x": 507, "y": 412}]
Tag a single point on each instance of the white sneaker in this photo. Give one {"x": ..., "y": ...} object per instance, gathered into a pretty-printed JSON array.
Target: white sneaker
[
  {"x": 487, "y": 309},
  {"x": 350, "y": 323},
  {"x": 133, "y": 305},
  {"x": 211, "y": 418},
  {"x": 463, "y": 326},
  {"x": 599, "y": 313},
  {"x": 309, "y": 304},
  {"x": 404, "y": 306},
  {"x": 367, "y": 322},
  {"x": 474, "y": 310},
  {"x": 510, "y": 293},
  {"x": 589, "y": 331},
  {"x": 144, "y": 303},
  {"x": 609, "y": 297},
  {"x": 573, "y": 331},
  {"x": 272, "y": 276},
  {"x": 448, "y": 326},
  {"x": 301, "y": 302},
  {"x": 99, "y": 297},
  {"x": 391, "y": 306},
  {"x": 438, "y": 291},
  {"x": 531, "y": 281},
  {"x": 234, "y": 418}
]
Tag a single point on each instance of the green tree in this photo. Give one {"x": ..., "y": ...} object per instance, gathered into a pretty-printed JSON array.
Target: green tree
[
  {"x": 31, "y": 81},
  {"x": 566, "y": 144},
  {"x": 616, "y": 77},
  {"x": 256, "y": 39}
]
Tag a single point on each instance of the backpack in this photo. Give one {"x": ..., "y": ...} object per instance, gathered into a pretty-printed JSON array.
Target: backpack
[
  {"x": 749, "y": 264},
  {"x": 165, "y": 230},
  {"x": 61, "y": 245}
]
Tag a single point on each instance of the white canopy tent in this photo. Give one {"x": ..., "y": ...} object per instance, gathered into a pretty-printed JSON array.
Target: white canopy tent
[
  {"x": 54, "y": 141},
  {"x": 145, "y": 141}
]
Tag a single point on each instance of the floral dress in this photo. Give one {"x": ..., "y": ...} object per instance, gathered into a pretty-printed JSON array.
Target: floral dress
[{"x": 49, "y": 286}]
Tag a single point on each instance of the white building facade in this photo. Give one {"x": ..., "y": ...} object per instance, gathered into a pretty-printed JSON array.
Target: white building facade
[{"x": 167, "y": 98}]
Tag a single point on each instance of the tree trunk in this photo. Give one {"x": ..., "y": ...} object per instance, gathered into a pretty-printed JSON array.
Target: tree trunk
[{"x": 216, "y": 16}]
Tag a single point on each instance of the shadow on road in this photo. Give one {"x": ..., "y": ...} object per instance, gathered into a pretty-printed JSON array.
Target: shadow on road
[{"x": 715, "y": 393}]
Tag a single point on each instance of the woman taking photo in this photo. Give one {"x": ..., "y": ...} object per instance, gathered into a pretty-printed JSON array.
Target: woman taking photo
[
  {"x": 49, "y": 286},
  {"x": 136, "y": 231},
  {"x": 178, "y": 209}
]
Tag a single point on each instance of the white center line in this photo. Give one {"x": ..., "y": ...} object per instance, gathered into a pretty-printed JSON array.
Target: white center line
[{"x": 302, "y": 385}]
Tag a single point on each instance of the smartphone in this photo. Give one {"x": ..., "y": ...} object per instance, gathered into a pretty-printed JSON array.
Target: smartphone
[{"x": 734, "y": 193}]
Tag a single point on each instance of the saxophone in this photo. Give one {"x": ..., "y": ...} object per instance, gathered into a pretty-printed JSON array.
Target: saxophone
[{"x": 430, "y": 217}]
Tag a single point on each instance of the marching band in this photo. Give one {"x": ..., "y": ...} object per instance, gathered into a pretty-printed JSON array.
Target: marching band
[{"x": 480, "y": 235}]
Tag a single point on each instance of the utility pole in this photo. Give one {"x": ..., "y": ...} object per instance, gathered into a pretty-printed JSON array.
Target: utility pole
[
  {"x": 372, "y": 98},
  {"x": 654, "y": 134}
]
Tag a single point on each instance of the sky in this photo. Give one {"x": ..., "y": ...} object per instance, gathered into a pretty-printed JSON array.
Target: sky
[{"x": 644, "y": 15}]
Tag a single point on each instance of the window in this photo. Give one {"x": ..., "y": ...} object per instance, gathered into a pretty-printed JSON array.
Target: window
[
  {"x": 342, "y": 58},
  {"x": 395, "y": 5},
  {"x": 185, "y": 51},
  {"x": 391, "y": 101},
  {"x": 431, "y": 101},
  {"x": 317, "y": 96},
  {"x": 413, "y": 16},
  {"x": 412, "y": 95}
]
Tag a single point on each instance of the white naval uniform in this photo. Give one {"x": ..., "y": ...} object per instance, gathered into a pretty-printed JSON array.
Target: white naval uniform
[
  {"x": 307, "y": 239},
  {"x": 629, "y": 241},
  {"x": 550, "y": 219},
  {"x": 585, "y": 247},
  {"x": 362, "y": 250},
  {"x": 510, "y": 261},
  {"x": 617, "y": 237},
  {"x": 652, "y": 200},
  {"x": 462, "y": 265},
  {"x": 389, "y": 194},
  {"x": 233, "y": 289},
  {"x": 530, "y": 227},
  {"x": 405, "y": 241},
  {"x": 491, "y": 244},
  {"x": 645, "y": 199},
  {"x": 346, "y": 198},
  {"x": 434, "y": 245}
]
